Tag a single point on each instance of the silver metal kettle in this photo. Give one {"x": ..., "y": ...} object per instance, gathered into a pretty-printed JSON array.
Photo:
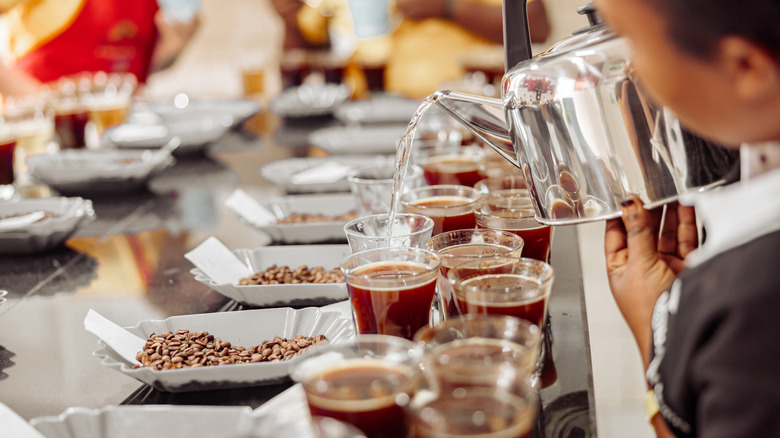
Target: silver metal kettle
[{"x": 578, "y": 126}]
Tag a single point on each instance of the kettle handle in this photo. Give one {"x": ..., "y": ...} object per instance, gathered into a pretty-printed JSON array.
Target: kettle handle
[{"x": 517, "y": 39}]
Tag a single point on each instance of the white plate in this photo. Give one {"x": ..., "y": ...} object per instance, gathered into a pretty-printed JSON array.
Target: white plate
[
  {"x": 358, "y": 139},
  {"x": 378, "y": 110},
  {"x": 143, "y": 421},
  {"x": 224, "y": 112},
  {"x": 332, "y": 205},
  {"x": 3, "y": 293},
  {"x": 309, "y": 100},
  {"x": 69, "y": 215},
  {"x": 145, "y": 132},
  {"x": 243, "y": 328},
  {"x": 194, "y": 136},
  {"x": 281, "y": 172},
  {"x": 136, "y": 136},
  {"x": 259, "y": 259},
  {"x": 75, "y": 171}
]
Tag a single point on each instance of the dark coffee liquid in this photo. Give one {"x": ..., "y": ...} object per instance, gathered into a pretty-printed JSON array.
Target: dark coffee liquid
[
  {"x": 399, "y": 310},
  {"x": 442, "y": 220},
  {"x": 7, "y": 162},
  {"x": 362, "y": 393},
  {"x": 457, "y": 254},
  {"x": 333, "y": 75},
  {"x": 70, "y": 128},
  {"x": 481, "y": 362},
  {"x": 375, "y": 77},
  {"x": 462, "y": 254},
  {"x": 455, "y": 170},
  {"x": 537, "y": 241},
  {"x": 293, "y": 75},
  {"x": 531, "y": 306}
]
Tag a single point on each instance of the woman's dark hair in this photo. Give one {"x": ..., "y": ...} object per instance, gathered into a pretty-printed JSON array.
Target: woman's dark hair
[{"x": 696, "y": 26}]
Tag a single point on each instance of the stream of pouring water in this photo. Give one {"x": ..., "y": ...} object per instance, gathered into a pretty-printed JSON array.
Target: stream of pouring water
[{"x": 402, "y": 155}]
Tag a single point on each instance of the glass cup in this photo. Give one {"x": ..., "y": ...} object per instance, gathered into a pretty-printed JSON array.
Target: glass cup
[
  {"x": 450, "y": 206},
  {"x": 7, "y": 173},
  {"x": 70, "y": 114},
  {"x": 457, "y": 167},
  {"x": 489, "y": 351},
  {"x": 293, "y": 67},
  {"x": 373, "y": 187},
  {"x": 108, "y": 99},
  {"x": 475, "y": 412},
  {"x": 391, "y": 289},
  {"x": 253, "y": 77},
  {"x": 441, "y": 129},
  {"x": 370, "y": 232},
  {"x": 507, "y": 205},
  {"x": 493, "y": 165},
  {"x": 33, "y": 125},
  {"x": 329, "y": 64},
  {"x": 455, "y": 247},
  {"x": 374, "y": 74},
  {"x": 366, "y": 384},
  {"x": 501, "y": 285}
]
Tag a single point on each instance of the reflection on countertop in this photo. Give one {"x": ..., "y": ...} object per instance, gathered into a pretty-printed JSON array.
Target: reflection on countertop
[{"x": 61, "y": 270}]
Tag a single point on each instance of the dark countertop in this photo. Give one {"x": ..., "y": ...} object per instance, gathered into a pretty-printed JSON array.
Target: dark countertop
[{"x": 128, "y": 265}]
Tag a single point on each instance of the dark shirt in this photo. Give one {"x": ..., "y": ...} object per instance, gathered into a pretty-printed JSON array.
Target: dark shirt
[{"x": 718, "y": 351}]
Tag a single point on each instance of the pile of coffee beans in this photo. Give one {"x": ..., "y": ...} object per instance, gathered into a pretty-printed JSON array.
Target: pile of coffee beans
[
  {"x": 198, "y": 349},
  {"x": 286, "y": 275},
  {"x": 298, "y": 218}
]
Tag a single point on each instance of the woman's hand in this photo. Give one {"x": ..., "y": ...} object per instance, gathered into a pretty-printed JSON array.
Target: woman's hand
[{"x": 641, "y": 265}]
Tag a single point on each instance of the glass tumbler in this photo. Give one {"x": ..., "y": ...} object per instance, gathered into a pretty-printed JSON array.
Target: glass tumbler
[
  {"x": 366, "y": 384},
  {"x": 391, "y": 289},
  {"x": 371, "y": 232}
]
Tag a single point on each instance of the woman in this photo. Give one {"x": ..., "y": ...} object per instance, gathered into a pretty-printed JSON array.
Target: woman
[
  {"x": 49, "y": 39},
  {"x": 706, "y": 321}
]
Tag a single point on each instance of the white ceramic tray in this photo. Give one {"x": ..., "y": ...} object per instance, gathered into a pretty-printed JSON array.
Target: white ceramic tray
[
  {"x": 259, "y": 259},
  {"x": 309, "y": 100},
  {"x": 242, "y": 328},
  {"x": 377, "y": 110},
  {"x": 194, "y": 136},
  {"x": 225, "y": 112},
  {"x": 332, "y": 205},
  {"x": 77, "y": 171},
  {"x": 281, "y": 173},
  {"x": 358, "y": 139},
  {"x": 69, "y": 215},
  {"x": 144, "y": 421}
]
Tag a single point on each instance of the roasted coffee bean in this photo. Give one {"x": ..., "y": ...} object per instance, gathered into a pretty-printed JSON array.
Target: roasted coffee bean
[
  {"x": 285, "y": 275},
  {"x": 298, "y": 218},
  {"x": 185, "y": 349}
]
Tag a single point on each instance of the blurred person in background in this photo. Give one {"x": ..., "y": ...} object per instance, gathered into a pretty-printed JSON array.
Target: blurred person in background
[
  {"x": 706, "y": 319},
  {"x": 426, "y": 47},
  {"x": 49, "y": 39}
]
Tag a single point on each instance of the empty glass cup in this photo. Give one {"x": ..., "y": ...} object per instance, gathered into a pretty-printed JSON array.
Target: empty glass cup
[
  {"x": 373, "y": 187},
  {"x": 370, "y": 232}
]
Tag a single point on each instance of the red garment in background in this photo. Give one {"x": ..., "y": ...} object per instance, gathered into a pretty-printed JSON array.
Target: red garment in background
[{"x": 106, "y": 35}]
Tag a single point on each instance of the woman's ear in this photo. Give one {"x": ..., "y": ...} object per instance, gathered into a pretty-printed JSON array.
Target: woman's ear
[{"x": 754, "y": 72}]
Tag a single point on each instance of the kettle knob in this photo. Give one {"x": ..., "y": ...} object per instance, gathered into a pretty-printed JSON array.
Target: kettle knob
[{"x": 591, "y": 13}]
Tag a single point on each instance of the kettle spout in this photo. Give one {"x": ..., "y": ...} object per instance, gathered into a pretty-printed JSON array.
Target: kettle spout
[{"x": 483, "y": 116}]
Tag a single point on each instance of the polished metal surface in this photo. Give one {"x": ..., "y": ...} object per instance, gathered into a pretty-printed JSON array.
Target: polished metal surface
[{"x": 585, "y": 136}]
